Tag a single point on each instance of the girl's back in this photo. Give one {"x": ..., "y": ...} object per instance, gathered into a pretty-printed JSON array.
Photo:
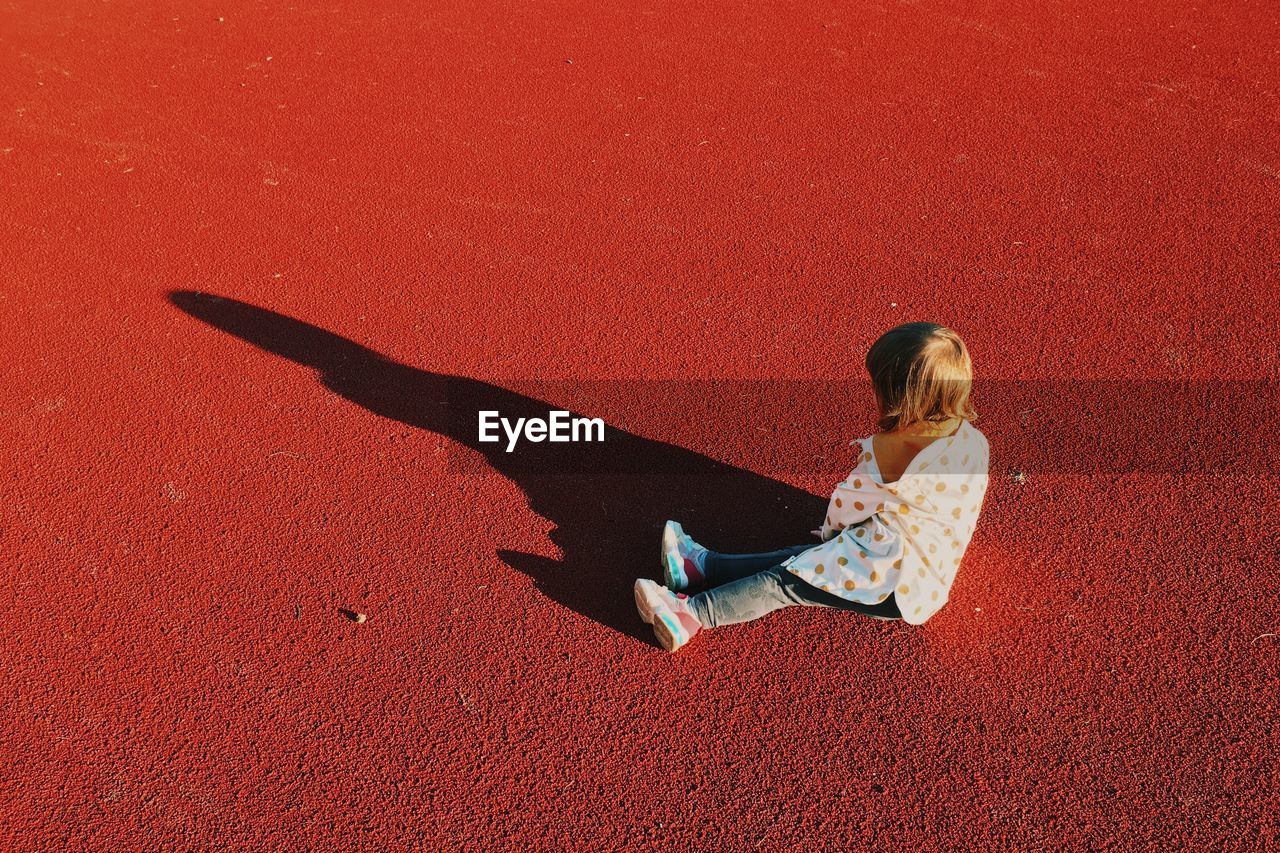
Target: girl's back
[{"x": 895, "y": 450}]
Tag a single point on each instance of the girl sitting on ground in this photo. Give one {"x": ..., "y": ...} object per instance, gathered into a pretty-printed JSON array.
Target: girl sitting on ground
[{"x": 896, "y": 527}]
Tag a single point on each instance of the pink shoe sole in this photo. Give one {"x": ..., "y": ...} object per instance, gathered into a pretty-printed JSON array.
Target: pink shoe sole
[
  {"x": 668, "y": 628},
  {"x": 648, "y": 599}
]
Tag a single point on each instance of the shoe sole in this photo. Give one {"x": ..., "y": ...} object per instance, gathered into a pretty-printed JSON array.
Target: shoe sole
[
  {"x": 672, "y": 564},
  {"x": 666, "y": 625},
  {"x": 647, "y": 600},
  {"x": 666, "y": 632}
]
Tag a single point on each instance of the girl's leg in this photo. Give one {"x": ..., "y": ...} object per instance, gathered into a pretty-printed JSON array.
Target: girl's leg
[
  {"x": 720, "y": 569},
  {"x": 764, "y": 592}
]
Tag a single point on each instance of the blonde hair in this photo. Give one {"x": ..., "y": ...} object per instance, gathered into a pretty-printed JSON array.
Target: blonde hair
[{"x": 920, "y": 372}]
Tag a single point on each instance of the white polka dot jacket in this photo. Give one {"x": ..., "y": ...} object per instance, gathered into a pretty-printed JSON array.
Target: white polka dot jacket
[{"x": 905, "y": 538}]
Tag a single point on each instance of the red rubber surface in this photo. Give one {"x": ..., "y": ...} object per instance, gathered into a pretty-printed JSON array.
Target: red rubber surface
[{"x": 506, "y": 192}]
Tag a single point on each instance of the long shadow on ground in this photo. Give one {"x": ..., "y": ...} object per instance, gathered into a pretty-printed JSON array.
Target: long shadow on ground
[{"x": 607, "y": 500}]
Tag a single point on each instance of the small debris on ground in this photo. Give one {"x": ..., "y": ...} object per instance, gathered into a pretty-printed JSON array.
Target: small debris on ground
[
  {"x": 1018, "y": 476},
  {"x": 353, "y": 616}
]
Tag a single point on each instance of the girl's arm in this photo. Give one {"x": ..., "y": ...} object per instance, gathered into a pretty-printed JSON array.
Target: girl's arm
[{"x": 853, "y": 501}]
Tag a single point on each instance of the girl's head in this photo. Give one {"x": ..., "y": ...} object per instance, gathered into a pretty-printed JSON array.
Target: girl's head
[{"x": 921, "y": 373}]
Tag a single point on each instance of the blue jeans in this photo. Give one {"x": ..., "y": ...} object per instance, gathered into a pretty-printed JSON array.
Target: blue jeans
[{"x": 742, "y": 587}]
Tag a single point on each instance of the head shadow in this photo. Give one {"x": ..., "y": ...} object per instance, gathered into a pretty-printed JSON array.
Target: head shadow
[{"x": 607, "y": 500}]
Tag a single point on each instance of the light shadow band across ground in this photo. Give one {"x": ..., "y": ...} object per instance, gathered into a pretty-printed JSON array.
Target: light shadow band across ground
[{"x": 1127, "y": 426}]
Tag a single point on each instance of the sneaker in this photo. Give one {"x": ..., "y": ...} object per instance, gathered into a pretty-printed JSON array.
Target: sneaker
[
  {"x": 669, "y": 613},
  {"x": 681, "y": 559}
]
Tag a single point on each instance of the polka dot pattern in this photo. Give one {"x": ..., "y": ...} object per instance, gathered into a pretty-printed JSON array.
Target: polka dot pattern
[{"x": 905, "y": 539}]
